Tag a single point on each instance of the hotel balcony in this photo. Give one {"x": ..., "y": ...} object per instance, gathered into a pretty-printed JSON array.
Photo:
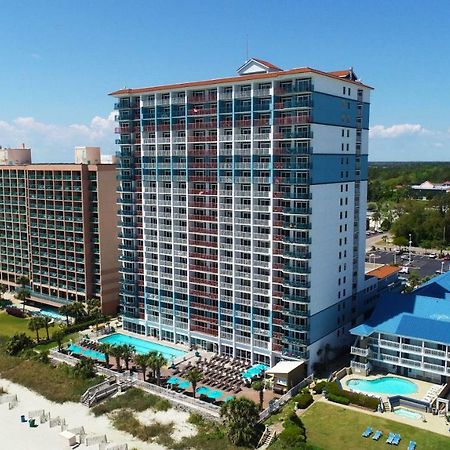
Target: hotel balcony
[
  {"x": 361, "y": 367},
  {"x": 294, "y": 135},
  {"x": 360, "y": 351},
  {"x": 202, "y": 111},
  {"x": 204, "y": 98},
  {"x": 296, "y": 87},
  {"x": 201, "y": 125},
  {"x": 210, "y": 138},
  {"x": 292, "y": 120},
  {"x": 305, "y": 103}
]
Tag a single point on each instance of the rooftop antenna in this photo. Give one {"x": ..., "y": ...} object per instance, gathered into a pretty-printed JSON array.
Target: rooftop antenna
[{"x": 246, "y": 49}]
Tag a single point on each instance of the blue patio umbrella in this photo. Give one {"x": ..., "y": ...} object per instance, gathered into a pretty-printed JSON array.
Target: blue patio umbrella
[
  {"x": 173, "y": 380},
  {"x": 228, "y": 399},
  {"x": 202, "y": 390},
  {"x": 214, "y": 394},
  {"x": 184, "y": 384}
]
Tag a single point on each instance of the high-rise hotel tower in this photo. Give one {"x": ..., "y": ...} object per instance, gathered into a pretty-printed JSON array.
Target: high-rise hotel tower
[{"x": 242, "y": 210}]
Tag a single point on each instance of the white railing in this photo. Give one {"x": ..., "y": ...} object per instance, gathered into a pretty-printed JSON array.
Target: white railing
[
  {"x": 277, "y": 404},
  {"x": 385, "y": 343},
  {"x": 359, "y": 351}
]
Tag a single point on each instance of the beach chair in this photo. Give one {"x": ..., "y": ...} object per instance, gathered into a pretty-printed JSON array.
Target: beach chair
[
  {"x": 377, "y": 435},
  {"x": 412, "y": 445},
  {"x": 367, "y": 432},
  {"x": 390, "y": 438},
  {"x": 396, "y": 440}
]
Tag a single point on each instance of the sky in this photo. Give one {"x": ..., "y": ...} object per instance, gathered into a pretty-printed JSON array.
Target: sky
[{"x": 61, "y": 58}]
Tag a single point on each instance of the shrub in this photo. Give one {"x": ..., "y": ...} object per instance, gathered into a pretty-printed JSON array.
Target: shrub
[
  {"x": 133, "y": 399},
  {"x": 318, "y": 388},
  {"x": 338, "y": 399},
  {"x": 16, "y": 312},
  {"x": 84, "y": 368},
  {"x": 79, "y": 326},
  {"x": 17, "y": 343},
  {"x": 304, "y": 399},
  {"x": 4, "y": 303}
]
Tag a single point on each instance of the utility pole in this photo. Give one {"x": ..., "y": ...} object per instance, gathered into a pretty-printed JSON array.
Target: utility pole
[{"x": 410, "y": 243}]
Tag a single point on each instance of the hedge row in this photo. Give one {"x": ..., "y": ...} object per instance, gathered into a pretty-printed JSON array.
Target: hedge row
[
  {"x": 79, "y": 326},
  {"x": 304, "y": 399},
  {"x": 336, "y": 394}
]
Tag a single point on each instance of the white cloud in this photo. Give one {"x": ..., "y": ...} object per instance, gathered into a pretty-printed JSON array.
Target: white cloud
[
  {"x": 394, "y": 131},
  {"x": 55, "y": 143}
]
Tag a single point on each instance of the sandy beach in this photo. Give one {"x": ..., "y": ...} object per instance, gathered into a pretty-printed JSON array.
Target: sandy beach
[{"x": 16, "y": 435}]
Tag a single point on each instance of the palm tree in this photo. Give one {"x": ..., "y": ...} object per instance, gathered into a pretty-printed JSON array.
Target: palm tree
[
  {"x": 143, "y": 362},
  {"x": 116, "y": 351},
  {"x": 22, "y": 295},
  {"x": 240, "y": 417},
  {"x": 78, "y": 310},
  {"x": 194, "y": 376},
  {"x": 158, "y": 364},
  {"x": 106, "y": 350},
  {"x": 46, "y": 323},
  {"x": 67, "y": 311},
  {"x": 151, "y": 358},
  {"x": 93, "y": 307},
  {"x": 35, "y": 324},
  {"x": 3, "y": 289},
  {"x": 58, "y": 336},
  {"x": 23, "y": 281},
  {"x": 128, "y": 352},
  {"x": 258, "y": 386}
]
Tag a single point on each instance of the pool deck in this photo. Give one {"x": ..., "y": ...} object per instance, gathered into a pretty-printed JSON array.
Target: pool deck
[{"x": 422, "y": 386}]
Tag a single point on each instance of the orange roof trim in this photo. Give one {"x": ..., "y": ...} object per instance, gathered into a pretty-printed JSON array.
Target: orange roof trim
[
  {"x": 257, "y": 76},
  {"x": 383, "y": 272},
  {"x": 267, "y": 64}
]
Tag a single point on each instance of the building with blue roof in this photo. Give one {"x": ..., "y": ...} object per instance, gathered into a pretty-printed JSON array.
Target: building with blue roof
[{"x": 408, "y": 334}]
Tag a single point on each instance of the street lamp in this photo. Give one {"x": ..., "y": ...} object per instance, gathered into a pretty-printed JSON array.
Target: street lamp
[
  {"x": 410, "y": 242},
  {"x": 442, "y": 267}
]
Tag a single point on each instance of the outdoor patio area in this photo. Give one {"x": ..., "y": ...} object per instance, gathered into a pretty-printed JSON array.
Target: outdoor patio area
[{"x": 223, "y": 378}]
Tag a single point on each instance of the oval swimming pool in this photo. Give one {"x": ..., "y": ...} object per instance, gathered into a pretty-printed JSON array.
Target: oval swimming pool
[{"x": 383, "y": 385}]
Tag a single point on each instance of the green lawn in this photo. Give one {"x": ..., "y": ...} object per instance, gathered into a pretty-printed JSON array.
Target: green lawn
[
  {"x": 334, "y": 428},
  {"x": 10, "y": 325}
]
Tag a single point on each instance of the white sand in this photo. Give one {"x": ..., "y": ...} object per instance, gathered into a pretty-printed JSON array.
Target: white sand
[
  {"x": 182, "y": 427},
  {"x": 15, "y": 435}
]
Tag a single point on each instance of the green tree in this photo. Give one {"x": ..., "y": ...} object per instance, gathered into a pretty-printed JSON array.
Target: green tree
[
  {"x": 240, "y": 417},
  {"x": 17, "y": 343},
  {"x": 128, "y": 352},
  {"x": 194, "y": 376},
  {"x": 259, "y": 386},
  {"x": 66, "y": 310},
  {"x": 84, "y": 368},
  {"x": 46, "y": 322},
  {"x": 58, "y": 337},
  {"x": 106, "y": 350},
  {"x": 35, "y": 324},
  {"x": 142, "y": 361},
  {"x": 23, "y": 293},
  {"x": 93, "y": 307},
  {"x": 158, "y": 363},
  {"x": 116, "y": 352},
  {"x": 3, "y": 290},
  {"x": 78, "y": 310}
]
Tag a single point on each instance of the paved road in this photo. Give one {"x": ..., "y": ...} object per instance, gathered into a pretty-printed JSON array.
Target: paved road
[{"x": 424, "y": 265}]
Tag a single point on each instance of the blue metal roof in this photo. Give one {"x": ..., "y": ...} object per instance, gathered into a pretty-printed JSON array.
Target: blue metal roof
[
  {"x": 417, "y": 315},
  {"x": 436, "y": 287}
]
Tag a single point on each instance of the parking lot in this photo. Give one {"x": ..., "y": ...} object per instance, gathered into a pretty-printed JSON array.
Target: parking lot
[{"x": 424, "y": 265}]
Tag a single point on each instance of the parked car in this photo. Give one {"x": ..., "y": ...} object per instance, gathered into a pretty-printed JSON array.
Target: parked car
[
  {"x": 432, "y": 255},
  {"x": 404, "y": 270},
  {"x": 447, "y": 257}
]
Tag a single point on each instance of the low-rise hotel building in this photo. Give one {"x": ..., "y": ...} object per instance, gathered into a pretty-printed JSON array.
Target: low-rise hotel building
[{"x": 408, "y": 334}]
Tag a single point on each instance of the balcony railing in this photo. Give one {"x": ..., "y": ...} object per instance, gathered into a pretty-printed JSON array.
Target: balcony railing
[
  {"x": 359, "y": 351},
  {"x": 292, "y": 120}
]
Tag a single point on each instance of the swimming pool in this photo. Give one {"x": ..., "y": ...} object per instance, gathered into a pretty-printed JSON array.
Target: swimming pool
[
  {"x": 254, "y": 371},
  {"x": 86, "y": 352},
  {"x": 383, "y": 385},
  {"x": 52, "y": 313},
  {"x": 403, "y": 412},
  {"x": 143, "y": 346}
]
